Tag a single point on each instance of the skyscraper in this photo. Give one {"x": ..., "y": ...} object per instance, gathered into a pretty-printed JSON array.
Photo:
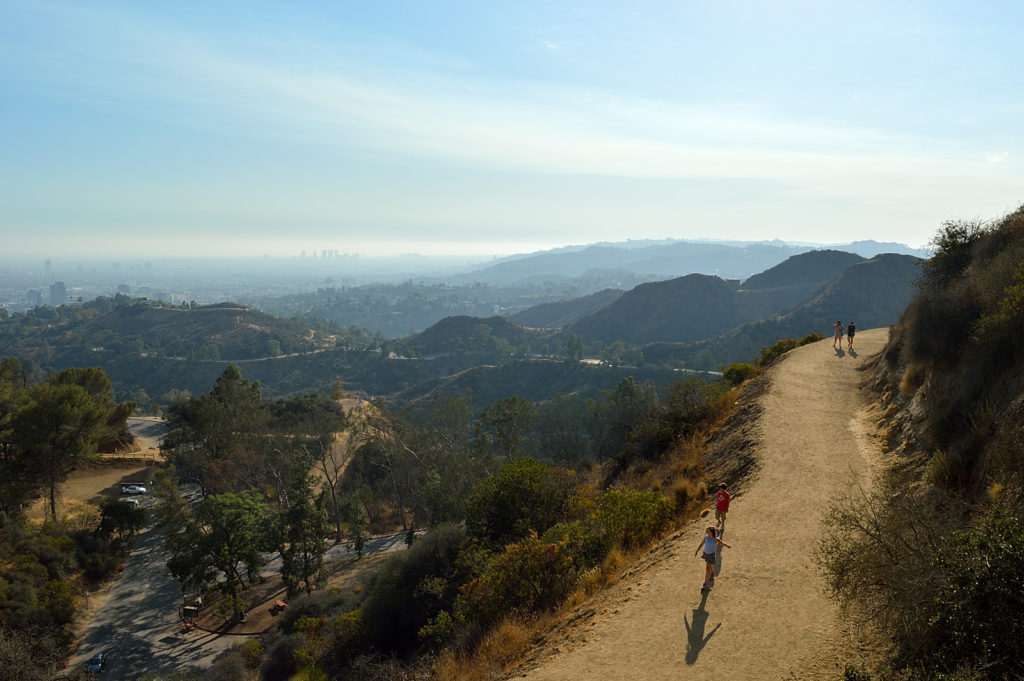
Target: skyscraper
[{"x": 58, "y": 293}]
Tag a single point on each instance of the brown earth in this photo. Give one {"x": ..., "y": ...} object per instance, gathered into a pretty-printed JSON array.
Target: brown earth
[
  {"x": 85, "y": 486},
  {"x": 768, "y": 616}
]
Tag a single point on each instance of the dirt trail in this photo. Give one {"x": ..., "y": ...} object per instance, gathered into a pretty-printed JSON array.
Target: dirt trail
[{"x": 767, "y": 617}]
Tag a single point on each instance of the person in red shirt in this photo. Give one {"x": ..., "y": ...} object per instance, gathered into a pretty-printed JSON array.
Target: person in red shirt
[{"x": 721, "y": 504}]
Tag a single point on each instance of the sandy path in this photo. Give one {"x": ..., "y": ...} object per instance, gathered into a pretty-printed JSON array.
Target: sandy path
[{"x": 767, "y": 617}]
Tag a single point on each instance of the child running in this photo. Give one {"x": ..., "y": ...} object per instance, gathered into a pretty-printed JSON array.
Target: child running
[
  {"x": 710, "y": 545},
  {"x": 721, "y": 504}
]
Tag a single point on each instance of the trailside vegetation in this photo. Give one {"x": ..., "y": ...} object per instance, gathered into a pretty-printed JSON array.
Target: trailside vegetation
[
  {"x": 508, "y": 512},
  {"x": 935, "y": 556},
  {"x": 47, "y": 429}
]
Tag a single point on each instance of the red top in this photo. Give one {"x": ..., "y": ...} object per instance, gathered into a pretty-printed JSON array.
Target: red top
[{"x": 723, "y": 500}]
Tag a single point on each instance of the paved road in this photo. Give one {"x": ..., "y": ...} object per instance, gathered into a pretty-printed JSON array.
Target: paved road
[
  {"x": 139, "y": 627},
  {"x": 149, "y": 431}
]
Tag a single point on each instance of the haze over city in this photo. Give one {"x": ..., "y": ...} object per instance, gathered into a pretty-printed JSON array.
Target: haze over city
[{"x": 252, "y": 129}]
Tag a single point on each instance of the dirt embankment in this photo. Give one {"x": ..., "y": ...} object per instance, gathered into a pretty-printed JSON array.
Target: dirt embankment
[{"x": 805, "y": 440}]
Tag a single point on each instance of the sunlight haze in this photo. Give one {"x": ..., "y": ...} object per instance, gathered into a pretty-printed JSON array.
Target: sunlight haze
[{"x": 251, "y": 129}]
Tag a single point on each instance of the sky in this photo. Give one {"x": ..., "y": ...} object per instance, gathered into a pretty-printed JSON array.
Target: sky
[{"x": 380, "y": 128}]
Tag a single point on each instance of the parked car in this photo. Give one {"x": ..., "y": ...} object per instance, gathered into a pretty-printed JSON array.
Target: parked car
[
  {"x": 133, "y": 489},
  {"x": 130, "y": 502},
  {"x": 96, "y": 663}
]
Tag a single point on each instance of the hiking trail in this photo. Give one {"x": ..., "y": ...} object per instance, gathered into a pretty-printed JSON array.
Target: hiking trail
[{"x": 767, "y": 616}]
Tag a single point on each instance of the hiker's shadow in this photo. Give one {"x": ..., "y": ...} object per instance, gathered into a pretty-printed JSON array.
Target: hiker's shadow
[
  {"x": 696, "y": 639},
  {"x": 853, "y": 353},
  {"x": 840, "y": 352}
]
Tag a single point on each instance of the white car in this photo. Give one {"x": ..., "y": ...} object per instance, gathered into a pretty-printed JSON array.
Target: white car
[
  {"x": 130, "y": 502},
  {"x": 133, "y": 489}
]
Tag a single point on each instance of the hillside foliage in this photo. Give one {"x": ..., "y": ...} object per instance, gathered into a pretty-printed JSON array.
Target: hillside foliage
[{"x": 936, "y": 556}]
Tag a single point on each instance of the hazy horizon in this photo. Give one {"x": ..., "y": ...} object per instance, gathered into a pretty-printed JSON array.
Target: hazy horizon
[{"x": 465, "y": 130}]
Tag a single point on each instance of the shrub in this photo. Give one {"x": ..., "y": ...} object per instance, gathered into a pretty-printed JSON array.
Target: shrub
[
  {"x": 413, "y": 587},
  {"x": 633, "y": 518},
  {"x": 953, "y": 246},
  {"x": 100, "y": 566},
  {"x": 526, "y": 577},
  {"x": 525, "y": 495},
  {"x": 316, "y": 604},
  {"x": 583, "y": 543},
  {"x": 738, "y": 372},
  {"x": 773, "y": 352},
  {"x": 876, "y": 555},
  {"x": 979, "y": 610}
]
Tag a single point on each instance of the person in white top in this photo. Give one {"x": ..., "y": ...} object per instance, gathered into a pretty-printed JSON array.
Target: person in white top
[{"x": 710, "y": 544}]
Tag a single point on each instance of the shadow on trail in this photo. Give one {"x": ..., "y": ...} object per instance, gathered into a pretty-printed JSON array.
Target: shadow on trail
[{"x": 695, "y": 637}]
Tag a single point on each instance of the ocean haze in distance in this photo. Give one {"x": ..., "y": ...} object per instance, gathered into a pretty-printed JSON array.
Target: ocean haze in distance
[{"x": 466, "y": 129}]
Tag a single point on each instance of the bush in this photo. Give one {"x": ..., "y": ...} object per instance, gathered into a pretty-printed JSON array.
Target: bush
[
  {"x": 776, "y": 350},
  {"x": 738, "y": 372},
  {"x": 979, "y": 610},
  {"x": 632, "y": 518},
  {"x": 316, "y": 604},
  {"x": 100, "y": 566},
  {"x": 524, "y": 496},
  {"x": 953, "y": 246},
  {"x": 413, "y": 587},
  {"x": 584, "y": 544},
  {"x": 526, "y": 577}
]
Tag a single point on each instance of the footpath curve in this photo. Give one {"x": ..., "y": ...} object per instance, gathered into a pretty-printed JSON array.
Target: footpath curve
[{"x": 767, "y": 617}]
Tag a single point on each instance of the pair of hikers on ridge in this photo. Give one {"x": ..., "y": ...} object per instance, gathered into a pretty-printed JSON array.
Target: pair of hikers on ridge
[
  {"x": 711, "y": 542},
  {"x": 849, "y": 332}
]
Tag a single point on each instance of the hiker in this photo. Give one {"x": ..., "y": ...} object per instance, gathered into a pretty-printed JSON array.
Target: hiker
[
  {"x": 710, "y": 545},
  {"x": 721, "y": 504},
  {"x": 838, "y": 338},
  {"x": 849, "y": 336}
]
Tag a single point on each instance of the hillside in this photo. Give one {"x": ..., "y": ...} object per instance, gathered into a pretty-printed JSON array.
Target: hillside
[
  {"x": 872, "y": 293},
  {"x": 534, "y": 380},
  {"x": 238, "y": 332},
  {"x": 686, "y": 309},
  {"x": 565, "y": 312},
  {"x": 463, "y": 334},
  {"x": 767, "y": 616},
  {"x": 662, "y": 259},
  {"x": 700, "y": 320}
]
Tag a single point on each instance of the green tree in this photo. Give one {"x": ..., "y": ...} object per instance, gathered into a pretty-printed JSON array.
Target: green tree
[
  {"x": 620, "y": 414},
  {"x": 57, "y": 427},
  {"x": 16, "y": 479},
  {"x": 206, "y": 433},
  {"x": 302, "y": 528},
  {"x": 120, "y": 521},
  {"x": 561, "y": 431},
  {"x": 314, "y": 422},
  {"x": 507, "y": 423},
  {"x": 574, "y": 348},
  {"x": 952, "y": 249},
  {"x": 223, "y": 546},
  {"x": 979, "y": 610},
  {"x": 524, "y": 496}
]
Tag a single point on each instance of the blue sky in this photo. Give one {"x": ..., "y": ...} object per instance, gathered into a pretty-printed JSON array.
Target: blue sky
[{"x": 230, "y": 128}]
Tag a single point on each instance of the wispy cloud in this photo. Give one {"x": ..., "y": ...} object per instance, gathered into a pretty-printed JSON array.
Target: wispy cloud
[{"x": 348, "y": 96}]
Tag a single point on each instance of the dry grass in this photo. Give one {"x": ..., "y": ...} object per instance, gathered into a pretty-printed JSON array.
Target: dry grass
[
  {"x": 501, "y": 648},
  {"x": 913, "y": 378}
]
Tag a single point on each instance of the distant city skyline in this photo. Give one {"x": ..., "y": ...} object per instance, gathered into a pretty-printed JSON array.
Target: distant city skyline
[{"x": 466, "y": 129}]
